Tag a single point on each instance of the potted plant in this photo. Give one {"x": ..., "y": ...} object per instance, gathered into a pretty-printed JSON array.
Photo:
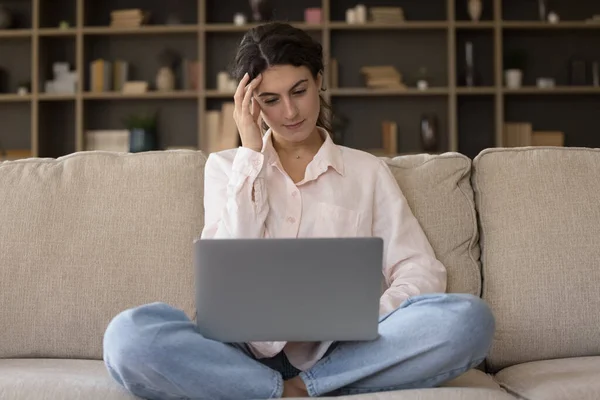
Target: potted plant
[
  {"x": 514, "y": 65},
  {"x": 142, "y": 132}
]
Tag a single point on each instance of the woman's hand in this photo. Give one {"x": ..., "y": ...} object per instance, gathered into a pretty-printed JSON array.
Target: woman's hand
[{"x": 246, "y": 113}]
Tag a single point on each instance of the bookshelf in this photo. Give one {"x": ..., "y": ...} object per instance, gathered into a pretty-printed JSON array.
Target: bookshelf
[{"x": 433, "y": 36}]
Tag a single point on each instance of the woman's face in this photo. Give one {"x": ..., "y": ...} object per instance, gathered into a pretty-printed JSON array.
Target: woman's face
[{"x": 289, "y": 100}]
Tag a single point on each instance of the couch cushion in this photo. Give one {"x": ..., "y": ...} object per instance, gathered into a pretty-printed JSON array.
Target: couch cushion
[
  {"x": 566, "y": 379},
  {"x": 539, "y": 213},
  {"x": 89, "y": 235},
  {"x": 46, "y": 379},
  {"x": 474, "y": 378},
  {"x": 438, "y": 190}
]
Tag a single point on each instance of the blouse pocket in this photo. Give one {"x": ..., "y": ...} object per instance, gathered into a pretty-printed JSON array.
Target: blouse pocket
[{"x": 336, "y": 221}]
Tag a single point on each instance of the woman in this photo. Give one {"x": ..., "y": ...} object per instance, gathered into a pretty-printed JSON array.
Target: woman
[{"x": 293, "y": 181}]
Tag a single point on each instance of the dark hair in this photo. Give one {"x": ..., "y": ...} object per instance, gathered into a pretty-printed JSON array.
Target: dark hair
[{"x": 278, "y": 43}]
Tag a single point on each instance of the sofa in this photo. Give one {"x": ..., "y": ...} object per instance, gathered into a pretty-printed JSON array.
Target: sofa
[{"x": 87, "y": 235}]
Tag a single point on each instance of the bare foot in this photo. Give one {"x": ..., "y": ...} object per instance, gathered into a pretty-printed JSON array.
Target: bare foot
[{"x": 294, "y": 387}]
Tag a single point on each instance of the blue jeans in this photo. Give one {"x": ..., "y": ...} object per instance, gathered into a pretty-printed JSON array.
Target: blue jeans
[{"x": 155, "y": 352}]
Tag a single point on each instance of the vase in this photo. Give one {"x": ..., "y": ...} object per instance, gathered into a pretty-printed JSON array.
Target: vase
[
  {"x": 513, "y": 78},
  {"x": 475, "y": 9},
  {"x": 429, "y": 133},
  {"x": 262, "y": 10},
  {"x": 141, "y": 140},
  {"x": 165, "y": 79}
]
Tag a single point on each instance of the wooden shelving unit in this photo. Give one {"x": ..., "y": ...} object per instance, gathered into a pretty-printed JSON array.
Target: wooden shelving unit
[{"x": 433, "y": 36}]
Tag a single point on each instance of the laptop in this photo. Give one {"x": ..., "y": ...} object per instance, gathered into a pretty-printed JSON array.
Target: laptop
[{"x": 296, "y": 289}]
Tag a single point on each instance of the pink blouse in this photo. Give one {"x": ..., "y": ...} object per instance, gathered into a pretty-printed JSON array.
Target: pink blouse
[{"x": 345, "y": 192}]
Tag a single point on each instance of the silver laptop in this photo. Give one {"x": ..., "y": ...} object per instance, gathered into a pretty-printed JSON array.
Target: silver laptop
[{"x": 314, "y": 289}]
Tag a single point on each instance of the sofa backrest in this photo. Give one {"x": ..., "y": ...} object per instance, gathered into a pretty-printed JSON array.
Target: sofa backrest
[
  {"x": 89, "y": 235},
  {"x": 539, "y": 211}
]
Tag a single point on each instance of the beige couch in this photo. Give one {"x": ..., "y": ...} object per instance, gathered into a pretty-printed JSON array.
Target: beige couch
[{"x": 88, "y": 235}]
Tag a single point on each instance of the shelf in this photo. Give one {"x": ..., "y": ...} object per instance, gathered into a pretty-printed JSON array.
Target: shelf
[
  {"x": 474, "y": 25},
  {"x": 549, "y": 26},
  {"x": 337, "y": 25},
  {"x": 217, "y": 94},
  {"x": 144, "y": 30},
  {"x": 483, "y": 90},
  {"x": 57, "y": 32},
  {"x": 56, "y": 97},
  {"x": 15, "y": 33},
  {"x": 363, "y": 92},
  {"x": 224, "y": 27},
  {"x": 14, "y": 98},
  {"x": 558, "y": 90},
  {"x": 180, "y": 94}
]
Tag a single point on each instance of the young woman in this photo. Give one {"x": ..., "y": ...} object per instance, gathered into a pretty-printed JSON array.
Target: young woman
[{"x": 293, "y": 181}]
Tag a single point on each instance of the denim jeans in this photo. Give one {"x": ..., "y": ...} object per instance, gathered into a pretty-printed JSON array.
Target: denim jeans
[{"x": 155, "y": 352}]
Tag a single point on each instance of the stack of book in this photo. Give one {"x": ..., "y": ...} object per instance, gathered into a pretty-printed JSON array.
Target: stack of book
[
  {"x": 521, "y": 134},
  {"x": 387, "y": 15},
  {"x": 132, "y": 18},
  {"x": 385, "y": 76}
]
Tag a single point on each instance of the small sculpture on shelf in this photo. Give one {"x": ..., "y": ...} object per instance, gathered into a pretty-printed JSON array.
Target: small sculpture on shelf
[{"x": 422, "y": 79}]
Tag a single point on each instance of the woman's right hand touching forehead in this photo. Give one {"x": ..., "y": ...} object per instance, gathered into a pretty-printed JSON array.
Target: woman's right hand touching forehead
[{"x": 247, "y": 112}]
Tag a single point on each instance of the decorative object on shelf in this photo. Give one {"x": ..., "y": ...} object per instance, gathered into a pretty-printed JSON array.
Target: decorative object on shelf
[
  {"x": 135, "y": 87},
  {"x": 595, "y": 74},
  {"x": 514, "y": 66},
  {"x": 313, "y": 15},
  {"x": 470, "y": 78},
  {"x": 165, "y": 78},
  {"x": 387, "y": 15},
  {"x": 6, "y": 18},
  {"x": 351, "y": 16},
  {"x": 475, "y": 8},
  {"x": 422, "y": 79},
  {"x": 361, "y": 13},
  {"x": 65, "y": 80},
  {"x": 225, "y": 83},
  {"x": 546, "y": 83},
  {"x": 239, "y": 19},
  {"x": 553, "y": 18},
  {"x": 542, "y": 9},
  {"x": 384, "y": 76},
  {"x": 142, "y": 132},
  {"x": 262, "y": 10},
  {"x": 120, "y": 75},
  {"x": 23, "y": 88},
  {"x": 429, "y": 132},
  {"x": 130, "y": 18},
  {"x": 64, "y": 25}
]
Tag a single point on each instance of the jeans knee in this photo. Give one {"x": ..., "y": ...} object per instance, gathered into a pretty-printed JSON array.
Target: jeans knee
[
  {"x": 473, "y": 324},
  {"x": 129, "y": 335}
]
